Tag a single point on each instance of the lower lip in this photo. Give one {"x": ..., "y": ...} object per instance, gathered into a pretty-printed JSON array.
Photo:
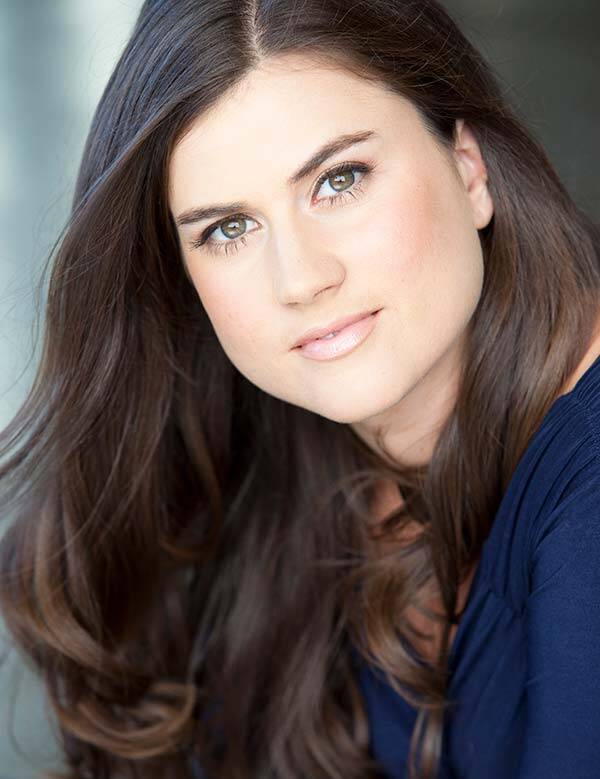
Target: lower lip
[{"x": 345, "y": 341}]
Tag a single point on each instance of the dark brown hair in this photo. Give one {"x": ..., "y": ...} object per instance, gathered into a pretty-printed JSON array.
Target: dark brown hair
[{"x": 190, "y": 564}]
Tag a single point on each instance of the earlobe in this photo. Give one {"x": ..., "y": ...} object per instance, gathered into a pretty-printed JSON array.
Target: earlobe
[{"x": 473, "y": 172}]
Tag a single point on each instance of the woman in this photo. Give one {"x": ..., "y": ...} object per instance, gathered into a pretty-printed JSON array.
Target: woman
[{"x": 308, "y": 481}]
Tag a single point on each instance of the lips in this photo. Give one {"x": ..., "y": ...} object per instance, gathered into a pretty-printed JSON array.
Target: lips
[{"x": 339, "y": 324}]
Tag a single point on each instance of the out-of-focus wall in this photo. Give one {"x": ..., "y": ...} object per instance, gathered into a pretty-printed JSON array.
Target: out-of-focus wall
[
  {"x": 55, "y": 57},
  {"x": 547, "y": 53}
]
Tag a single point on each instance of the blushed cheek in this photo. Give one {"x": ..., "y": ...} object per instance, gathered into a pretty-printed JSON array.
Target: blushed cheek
[
  {"x": 237, "y": 325},
  {"x": 446, "y": 260},
  {"x": 406, "y": 235},
  {"x": 233, "y": 330},
  {"x": 217, "y": 303}
]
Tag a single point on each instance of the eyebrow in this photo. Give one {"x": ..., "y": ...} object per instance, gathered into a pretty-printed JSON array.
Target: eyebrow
[{"x": 322, "y": 154}]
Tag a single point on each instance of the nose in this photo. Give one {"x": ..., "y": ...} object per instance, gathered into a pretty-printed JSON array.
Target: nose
[{"x": 302, "y": 270}]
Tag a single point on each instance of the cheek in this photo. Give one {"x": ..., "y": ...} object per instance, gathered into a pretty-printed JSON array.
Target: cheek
[
  {"x": 428, "y": 256},
  {"x": 449, "y": 285},
  {"x": 235, "y": 317},
  {"x": 401, "y": 235}
]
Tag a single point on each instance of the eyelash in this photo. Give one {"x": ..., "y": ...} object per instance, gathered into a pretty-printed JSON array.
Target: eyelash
[{"x": 225, "y": 247}]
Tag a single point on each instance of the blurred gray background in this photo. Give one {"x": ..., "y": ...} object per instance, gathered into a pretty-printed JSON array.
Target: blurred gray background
[{"x": 56, "y": 56}]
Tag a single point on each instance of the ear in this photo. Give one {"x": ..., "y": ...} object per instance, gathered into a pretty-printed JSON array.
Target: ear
[{"x": 471, "y": 166}]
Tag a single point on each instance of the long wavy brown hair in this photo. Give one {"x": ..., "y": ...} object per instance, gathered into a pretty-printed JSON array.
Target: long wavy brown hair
[{"x": 190, "y": 563}]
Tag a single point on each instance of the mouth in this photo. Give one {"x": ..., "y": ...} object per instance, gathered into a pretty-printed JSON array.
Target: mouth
[
  {"x": 339, "y": 342},
  {"x": 331, "y": 328}
]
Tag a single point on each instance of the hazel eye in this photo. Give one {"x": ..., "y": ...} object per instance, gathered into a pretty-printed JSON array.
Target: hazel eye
[
  {"x": 236, "y": 234},
  {"x": 239, "y": 223},
  {"x": 342, "y": 179},
  {"x": 234, "y": 227}
]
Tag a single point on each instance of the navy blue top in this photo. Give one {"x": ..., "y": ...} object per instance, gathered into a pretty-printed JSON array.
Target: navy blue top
[{"x": 525, "y": 661}]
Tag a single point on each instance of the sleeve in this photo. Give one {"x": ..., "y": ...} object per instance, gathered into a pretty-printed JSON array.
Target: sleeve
[{"x": 562, "y": 738}]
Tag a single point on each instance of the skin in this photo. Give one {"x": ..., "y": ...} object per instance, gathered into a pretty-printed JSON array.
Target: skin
[{"x": 408, "y": 243}]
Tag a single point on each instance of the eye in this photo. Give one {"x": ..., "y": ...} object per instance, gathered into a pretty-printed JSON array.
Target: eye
[
  {"x": 344, "y": 179},
  {"x": 343, "y": 182}
]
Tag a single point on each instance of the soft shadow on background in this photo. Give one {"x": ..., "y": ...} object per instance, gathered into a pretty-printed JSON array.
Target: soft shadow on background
[{"x": 55, "y": 57}]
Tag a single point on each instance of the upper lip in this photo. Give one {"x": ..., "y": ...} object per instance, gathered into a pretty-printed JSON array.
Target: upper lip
[{"x": 318, "y": 332}]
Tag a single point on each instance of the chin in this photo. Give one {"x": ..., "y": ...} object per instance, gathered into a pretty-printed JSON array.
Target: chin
[{"x": 349, "y": 414}]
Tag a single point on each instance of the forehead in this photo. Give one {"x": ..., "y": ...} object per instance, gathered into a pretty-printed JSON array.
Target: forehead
[
  {"x": 289, "y": 91},
  {"x": 274, "y": 119}
]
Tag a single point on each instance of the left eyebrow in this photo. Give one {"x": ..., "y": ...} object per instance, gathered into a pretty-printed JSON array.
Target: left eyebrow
[{"x": 322, "y": 154}]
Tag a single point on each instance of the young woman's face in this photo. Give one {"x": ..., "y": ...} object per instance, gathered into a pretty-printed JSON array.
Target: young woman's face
[{"x": 384, "y": 224}]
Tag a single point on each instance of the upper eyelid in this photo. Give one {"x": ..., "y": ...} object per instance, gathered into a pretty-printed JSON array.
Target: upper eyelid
[{"x": 320, "y": 180}]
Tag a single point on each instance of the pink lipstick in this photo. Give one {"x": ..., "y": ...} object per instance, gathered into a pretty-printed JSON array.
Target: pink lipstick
[{"x": 340, "y": 342}]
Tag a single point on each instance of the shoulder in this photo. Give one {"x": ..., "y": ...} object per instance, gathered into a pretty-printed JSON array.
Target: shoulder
[
  {"x": 568, "y": 450},
  {"x": 568, "y": 485},
  {"x": 563, "y": 458},
  {"x": 552, "y": 503}
]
